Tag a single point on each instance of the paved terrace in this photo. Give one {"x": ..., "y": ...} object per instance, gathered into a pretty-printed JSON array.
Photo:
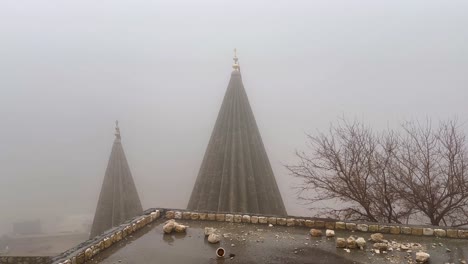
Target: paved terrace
[{"x": 252, "y": 240}]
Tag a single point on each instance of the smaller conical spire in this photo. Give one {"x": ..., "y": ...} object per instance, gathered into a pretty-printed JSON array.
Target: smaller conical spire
[
  {"x": 235, "y": 65},
  {"x": 117, "y": 129}
]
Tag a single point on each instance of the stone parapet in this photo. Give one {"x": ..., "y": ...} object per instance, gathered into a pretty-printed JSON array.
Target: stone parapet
[{"x": 87, "y": 250}]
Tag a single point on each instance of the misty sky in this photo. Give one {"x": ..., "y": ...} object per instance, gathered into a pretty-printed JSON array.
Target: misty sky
[{"x": 69, "y": 69}]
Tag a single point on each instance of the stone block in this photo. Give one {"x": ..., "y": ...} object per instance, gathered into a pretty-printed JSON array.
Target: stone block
[
  {"x": 309, "y": 223},
  {"x": 272, "y": 220},
  {"x": 351, "y": 226},
  {"x": 320, "y": 224},
  {"x": 452, "y": 233},
  {"x": 220, "y": 217},
  {"x": 362, "y": 227},
  {"x": 417, "y": 231},
  {"x": 329, "y": 225},
  {"x": 202, "y": 216},
  {"x": 428, "y": 231},
  {"x": 170, "y": 214},
  {"x": 281, "y": 221},
  {"x": 88, "y": 254},
  {"x": 237, "y": 218},
  {"x": 440, "y": 233},
  {"x": 107, "y": 242},
  {"x": 262, "y": 220},
  {"x": 462, "y": 233},
  {"x": 290, "y": 222},
  {"x": 118, "y": 236},
  {"x": 373, "y": 228},
  {"x": 153, "y": 216},
  {"x": 406, "y": 230},
  {"x": 384, "y": 229},
  {"x": 186, "y": 215},
  {"x": 80, "y": 258},
  {"x": 194, "y": 216},
  {"x": 211, "y": 217},
  {"x": 229, "y": 218},
  {"x": 246, "y": 219},
  {"x": 254, "y": 219},
  {"x": 395, "y": 230},
  {"x": 299, "y": 222},
  {"x": 340, "y": 225}
]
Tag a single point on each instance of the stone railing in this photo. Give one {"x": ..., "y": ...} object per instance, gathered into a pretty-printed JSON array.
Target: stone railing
[{"x": 89, "y": 249}]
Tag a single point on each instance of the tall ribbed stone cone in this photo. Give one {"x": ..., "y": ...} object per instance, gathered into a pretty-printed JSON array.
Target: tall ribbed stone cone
[
  {"x": 119, "y": 199},
  {"x": 236, "y": 175}
]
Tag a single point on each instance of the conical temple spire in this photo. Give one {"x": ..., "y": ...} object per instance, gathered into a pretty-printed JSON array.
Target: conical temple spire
[
  {"x": 119, "y": 199},
  {"x": 236, "y": 175}
]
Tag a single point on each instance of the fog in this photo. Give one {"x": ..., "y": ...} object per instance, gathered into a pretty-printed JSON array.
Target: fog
[{"x": 68, "y": 70}]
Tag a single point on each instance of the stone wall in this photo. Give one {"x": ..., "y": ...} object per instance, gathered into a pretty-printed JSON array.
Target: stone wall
[
  {"x": 88, "y": 249},
  {"x": 25, "y": 260}
]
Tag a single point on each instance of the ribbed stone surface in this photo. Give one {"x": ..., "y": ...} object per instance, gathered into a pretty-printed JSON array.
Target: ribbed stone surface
[
  {"x": 236, "y": 175},
  {"x": 119, "y": 199}
]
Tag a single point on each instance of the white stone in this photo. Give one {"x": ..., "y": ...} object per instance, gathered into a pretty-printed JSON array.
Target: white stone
[
  {"x": 428, "y": 231},
  {"x": 178, "y": 215},
  {"x": 422, "y": 257},
  {"x": 377, "y": 237},
  {"x": 330, "y": 233},
  {"x": 168, "y": 227},
  {"x": 214, "y": 238},
  {"x": 209, "y": 231},
  {"x": 361, "y": 242},
  {"x": 229, "y": 218},
  {"x": 180, "y": 228}
]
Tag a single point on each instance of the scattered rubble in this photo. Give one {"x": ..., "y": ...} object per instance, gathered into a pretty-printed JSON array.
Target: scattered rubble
[
  {"x": 381, "y": 246},
  {"x": 377, "y": 237},
  {"x": 209, "y": 231},
  {"x": 330, "y": 233},
  {"x": 351, "y": 242},
  {"x": 340, "y": 242},
  {"x": 361, "y": 242},
  {"x": 214, "y": 238},
  {"x": 422, "y": 257},
  {"x": 315, "y": 232}
]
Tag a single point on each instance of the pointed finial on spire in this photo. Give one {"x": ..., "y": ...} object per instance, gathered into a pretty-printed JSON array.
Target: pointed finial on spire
[
  {"x": 235, "y": 65},
  {"x": 117, "y": 129}
]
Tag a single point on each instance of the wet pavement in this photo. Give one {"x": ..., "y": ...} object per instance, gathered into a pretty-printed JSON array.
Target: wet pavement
[{"x": 249, "y": 243}]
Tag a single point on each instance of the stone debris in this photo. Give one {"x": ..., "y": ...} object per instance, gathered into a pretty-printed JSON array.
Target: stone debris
[
  {"x": 361, "y": 243},
  {"x": 340, "y": 242},
  {"x": 315, "y": 232},
  {"x": 214, "y": 238},
  {"x": 209, "y": 231},
  {"x": 330, "y": 233},
  {"x": 180, "y": 228},
  {"x": 381, "y": 246},
  {"x": 422, "y": 257},
  {"x": 351, "y": 242},
  {"x": 377, "y": 237},
  {"x": 172, "y": 225},
  {"x": 169, "y": 226}
]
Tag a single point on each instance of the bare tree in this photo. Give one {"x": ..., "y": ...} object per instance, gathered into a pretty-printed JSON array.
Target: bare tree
[
  {"x": 351, "y": 164},
  {"x": 431, "y": 173}
]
